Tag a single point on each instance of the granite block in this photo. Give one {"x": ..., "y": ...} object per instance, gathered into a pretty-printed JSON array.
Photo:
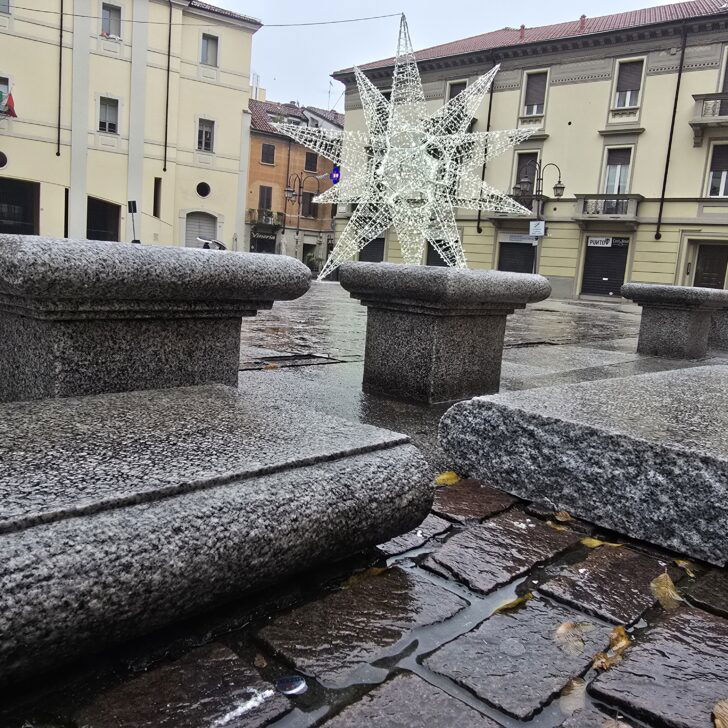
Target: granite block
[
  {"x": 84, "y": 317},
  {"x": 719, "y": 331},
  {"x": 645, "y": 455},
  {"x": 120, "y": 515}
]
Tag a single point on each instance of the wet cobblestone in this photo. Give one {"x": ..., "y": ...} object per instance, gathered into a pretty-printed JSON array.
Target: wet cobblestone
[
  {"x": 711, "y": 592},
  {"x": 470, "y": 500},
  {"x": 431, "y": 526}
]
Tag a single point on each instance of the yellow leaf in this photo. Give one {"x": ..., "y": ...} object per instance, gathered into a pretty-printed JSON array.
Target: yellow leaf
[
  {"x": 593, "y": 543},
  {"x": 563, "y": 516},
  {"x": 686, "y": 566},
  {"x": 569, "y": 636},
  {"x": 663, "y": 589},
  {"x": 260, "y": 662},
  {"x": 720, "y": 714},
  {"x": 603, "y": 661},
  {"x": 619, "y": 640},
  {"x": 447, "y": 478},
  {"x": 572, "y": 696},
  {"x": 362, "y": 575},
  {"x": 271, "y": 365},
  {"x": 514, "y": 603},
  {"x": 556, "y": 526},
  {"x": 614, "y": 723}
]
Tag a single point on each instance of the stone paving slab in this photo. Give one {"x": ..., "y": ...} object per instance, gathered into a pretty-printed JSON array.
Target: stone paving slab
[
  {"x": 497, "y": 551},
  {"x": 675, "y": 674},
  {"x": 711, "y": 592},
  {"x": 470, "y": 500},
  {"x": 591, "y": 717},
  {"x": 209, "y": 686},
  {"x": 611, "y": 583},
  {"x": 552, "y": 359},
  {"x": 431, "y": 526},
  {"x": 330, "y": 637},
  {"x": 514, "y": 660},
  {"x": 407, "y": 701}
]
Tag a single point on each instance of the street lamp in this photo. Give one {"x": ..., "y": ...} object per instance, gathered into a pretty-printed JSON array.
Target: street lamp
[
  {"x": 524, "y": 186},
  {"x": 294, "y": 191}
]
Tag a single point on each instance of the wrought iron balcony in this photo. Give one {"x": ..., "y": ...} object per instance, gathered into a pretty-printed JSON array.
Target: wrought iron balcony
[
  {"x": 607, "y": 208},
  {"x": 265, "y": 217},
  {"x": 711, "y": 110}
]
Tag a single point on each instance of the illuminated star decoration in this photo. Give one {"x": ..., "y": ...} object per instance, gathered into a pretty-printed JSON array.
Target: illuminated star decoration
[{"x": 411, "y": 169}]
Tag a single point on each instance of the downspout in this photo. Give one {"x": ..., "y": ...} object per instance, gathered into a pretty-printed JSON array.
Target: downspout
[
  {"x": 285, "y": 199},
  {"x": 166, "y": 102},
  {"x": 60, "y": 81},
  {"x": 479, "y": 228},
  {"x": 658, "y": 234}
]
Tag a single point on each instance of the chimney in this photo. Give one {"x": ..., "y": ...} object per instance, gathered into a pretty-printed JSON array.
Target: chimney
[
  {"x": 582, "y": 23},
  {"x": 522, "y": 34}
]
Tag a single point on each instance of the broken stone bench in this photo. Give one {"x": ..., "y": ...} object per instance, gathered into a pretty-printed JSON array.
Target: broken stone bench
[
  {"x": 436, "y": 334},
  {"x": 81, "y": 317},
  {"x": 644, "y": 455},
  {"x": 676, "y": 320}
]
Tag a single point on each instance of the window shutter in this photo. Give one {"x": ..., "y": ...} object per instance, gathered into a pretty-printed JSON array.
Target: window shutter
[
  {"x": 265, "y": 198},
  {"x": 719, "y": 163},
  {"x": 535, "y": 88},
  {"x": 619, "y": 156},
  {"x": 630, "y": 76}
]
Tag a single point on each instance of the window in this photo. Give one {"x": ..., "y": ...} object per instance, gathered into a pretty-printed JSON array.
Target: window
[
  {"x": 157, "y": 202},
  {"x": 526, "y": 172},
  {"x": 629, "y": 82},
  {"x": 718, "y": 183},
  {"x": 308, "y": 207},
  {"x": 311, "y": 164},
  {"x": 205, "y": 135},
  {"x": 535, "y": 93},
  {"x": 108, "y": 115},
  {"x": 268, "y": 154},
  {"x": 208, "y": 54},
  {"x": 265, "y": 198},
  {"x": 617, "y": 176},
  {"x": 111, "y": 20},
  {"x": 455, "y": 88},
  {"x": 4, "y": 6},
  {"x": 4, "y": 86}
]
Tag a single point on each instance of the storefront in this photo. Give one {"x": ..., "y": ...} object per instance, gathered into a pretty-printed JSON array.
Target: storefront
[
  {"x": 605, "y": 263},
  {"x": 517, "y": 252},
  {"x": 262, "y": 241}
]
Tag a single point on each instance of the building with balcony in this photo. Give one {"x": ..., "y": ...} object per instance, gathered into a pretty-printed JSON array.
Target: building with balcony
[
  {"x": 125, "y": 100},
  {"x": 284, "y": 177},
  {"x": 633, "y": 108}
]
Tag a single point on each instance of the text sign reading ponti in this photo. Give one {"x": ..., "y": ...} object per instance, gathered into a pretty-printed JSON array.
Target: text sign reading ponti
[{"x": 599, "y": 242}]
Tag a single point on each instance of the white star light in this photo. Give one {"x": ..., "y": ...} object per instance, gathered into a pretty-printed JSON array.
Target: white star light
[{"x": 411, "y": 169}]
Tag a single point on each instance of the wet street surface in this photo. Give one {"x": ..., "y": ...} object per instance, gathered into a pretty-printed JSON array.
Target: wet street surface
[{"x": 493, "y": 612}]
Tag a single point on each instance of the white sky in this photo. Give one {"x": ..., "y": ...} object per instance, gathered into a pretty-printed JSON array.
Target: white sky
[{"x": 294, "y": 63}]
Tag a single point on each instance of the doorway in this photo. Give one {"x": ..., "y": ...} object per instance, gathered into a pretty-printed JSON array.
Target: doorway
[
  {"x": 102, "y": 220},
  {"x": 605, "y": 262},
  {"x": 710, "y": 268},
  {"x": 517, "y": 257},
  {"x": 373, "y": 251},
  {"x": 199, "y": 225},
  {"x": 19, "y": 206}
]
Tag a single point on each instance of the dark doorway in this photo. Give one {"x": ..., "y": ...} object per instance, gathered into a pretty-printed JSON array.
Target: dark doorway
[
  {"x": 604, "y": 266},
  {"x": 102, "y": 220},
  {"x": 433, "y": 257},
  {"x": 373, "y": 252},
  {"x": 711, "y": 267},
  {"x": 517, "y": 257},
  {"x": 19, "y": 206}
]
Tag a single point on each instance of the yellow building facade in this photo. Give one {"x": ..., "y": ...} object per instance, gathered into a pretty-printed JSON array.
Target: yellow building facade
[
  {"x": 600, "y": 94},
  {"x": 126, "y": 100}
]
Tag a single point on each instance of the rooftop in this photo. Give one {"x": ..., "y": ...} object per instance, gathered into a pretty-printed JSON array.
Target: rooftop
[
  {"x": 199, "y": 5},
  {"x": 260, "y": 111}
]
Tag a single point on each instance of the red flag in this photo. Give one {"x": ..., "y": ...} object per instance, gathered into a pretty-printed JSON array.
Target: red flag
[{"x": 10, "y": 107}]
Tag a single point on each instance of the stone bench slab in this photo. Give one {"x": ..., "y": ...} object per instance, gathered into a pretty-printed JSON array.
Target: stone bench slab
[
  {"x": 644, "y": 455},
  {"x": 122, "y": 512}
]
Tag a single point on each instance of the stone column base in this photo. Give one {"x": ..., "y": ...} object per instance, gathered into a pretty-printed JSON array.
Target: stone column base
[{"x": 719, "y": 331}]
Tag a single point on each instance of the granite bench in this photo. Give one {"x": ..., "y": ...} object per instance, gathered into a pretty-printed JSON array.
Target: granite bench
[
  {"x": 436, "y": 334},
  {"x": 83, "y": 317},
  {"x": 676, "y": 320}
]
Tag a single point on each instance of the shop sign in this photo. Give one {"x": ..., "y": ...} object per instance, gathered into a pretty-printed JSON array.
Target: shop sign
[
  {"x": 263, "y": 235},
  {"x": 517, "y": 238},
  {"x": 608, "y": 242},
  {"x": 537, "y": 228}
]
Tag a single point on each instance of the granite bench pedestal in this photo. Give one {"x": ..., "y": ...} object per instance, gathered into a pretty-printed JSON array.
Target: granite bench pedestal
[
  {"x": 719, "y": 331},
  {"x": 644, "y": 455},
  {"x": 84, "y": 317},
  {"x": 436, "y": 334},
  {"x": 676, "y": 320}
]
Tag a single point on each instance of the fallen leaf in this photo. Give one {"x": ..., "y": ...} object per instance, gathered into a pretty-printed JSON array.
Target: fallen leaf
[
  {"x": 686, "y": 566},
  {"x": 260, "y": 662},
  {"x": 271, "y": 365},
  {"x": 556, "y": 526},
  {"x": 663, "y": 589},
  {"x": 720, "y": 714},
  {"x": 614, "y": 723},
  {"x": 603, "y": 661},
  {"x": 573, "y": 696},
  {"x": 619, "y": 640},
  {"x": 447, "y": 478},
  {"x": 563, "y": 516},
  {"x": 593, "y": 543},
  {"x": 514, "y": 603},
  {"x": 362, "y": 575},
  {"x": 569, "y": 636}
]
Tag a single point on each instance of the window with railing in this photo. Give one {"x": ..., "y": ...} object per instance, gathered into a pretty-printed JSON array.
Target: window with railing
[
  {"x": 265, "y": 197},
  {"x": 629, "y": 84},
  {"x": 718, "y": 179},
  {"x": 535, "y": 96}
]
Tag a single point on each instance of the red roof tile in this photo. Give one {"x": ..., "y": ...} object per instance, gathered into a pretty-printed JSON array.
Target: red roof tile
[
  {"x": 259, "y": 111},
  {"x": 507, "y": 37},
  {"x": 222, "y": 11},
  {"x": 329, "y": 114}
]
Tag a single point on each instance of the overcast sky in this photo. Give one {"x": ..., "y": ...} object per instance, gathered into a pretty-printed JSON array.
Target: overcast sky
[{"x": 294, "y": 63}]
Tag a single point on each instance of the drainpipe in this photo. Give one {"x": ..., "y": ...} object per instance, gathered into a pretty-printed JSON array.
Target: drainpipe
[
  {"x": 60, "y": 81},
  {"x": 285, "y": 199},
  {"x": 166, "y": 102},
  {"x": 479, "y": 227},
  {"x": 658, "y": 234}
]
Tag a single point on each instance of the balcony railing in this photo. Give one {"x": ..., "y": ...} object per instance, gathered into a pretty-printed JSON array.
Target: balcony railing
[
  {"x": 607, "y": 208},
  {"x": 711, "y": 110},
  {"x": 265, "y": 217}
]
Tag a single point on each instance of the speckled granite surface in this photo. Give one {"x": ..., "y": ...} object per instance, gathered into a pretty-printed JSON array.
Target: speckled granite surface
[
  {"x": 645, "y": 455},
  {"x": 123, "y": 512}
]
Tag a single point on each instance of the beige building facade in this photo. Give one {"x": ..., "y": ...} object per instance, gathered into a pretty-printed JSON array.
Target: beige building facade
[
  {"x": 126, "y": 100},
  {"x": 600, "y": 94}
]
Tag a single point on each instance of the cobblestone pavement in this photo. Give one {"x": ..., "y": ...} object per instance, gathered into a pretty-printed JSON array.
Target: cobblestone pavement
[{"x": 493, "y": 612}]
